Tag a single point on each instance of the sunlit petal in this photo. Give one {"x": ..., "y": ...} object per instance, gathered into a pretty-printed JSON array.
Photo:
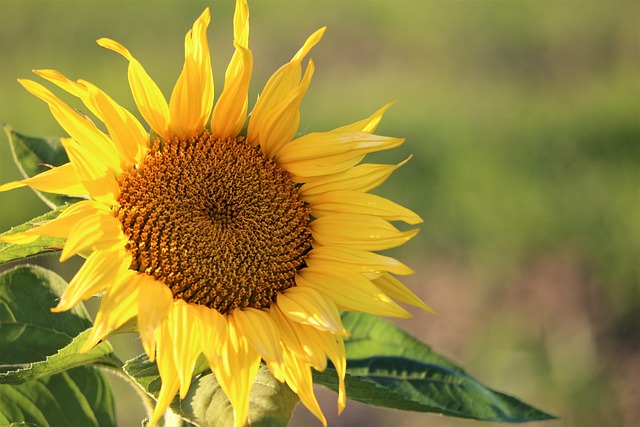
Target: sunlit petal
[
  {"x": 230, "y": 111},
  {"x": 151, "y": 316},
  {"x": 360, "y": 260},
  {"x": 356, "y": 202},
  {"x": 192, "y": 97},
  {"x": 364, "y": 232},
  {"x": 149, "y": 99},
  {"x": 57, "y": 180},
  {"x": 360, "y": 178},
  {"x": 350, "y": 291}
]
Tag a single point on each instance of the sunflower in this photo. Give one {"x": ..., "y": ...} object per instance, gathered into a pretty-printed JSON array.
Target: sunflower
[{"x": 240, "y": 243}]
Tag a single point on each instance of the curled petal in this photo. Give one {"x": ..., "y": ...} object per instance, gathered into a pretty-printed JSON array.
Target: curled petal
[
  {"x": 367, "y": 125},
  {"x": 276, "y": 115},
  {"x": 146, "y": 93},
  {"x": 230, "y": 111},
  {"x": 192, "y": 98}
]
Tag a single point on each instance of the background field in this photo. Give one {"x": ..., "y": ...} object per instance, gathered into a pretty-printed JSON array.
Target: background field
[{"x": 523, "y": 121}]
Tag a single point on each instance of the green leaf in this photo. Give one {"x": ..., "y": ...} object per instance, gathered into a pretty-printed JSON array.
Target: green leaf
[
  {"x": 387, "y": 367},
  {"x": 38, "y": 350},
  {"x": 30, "y": 331},
  {"x": 372, "y": 336},
  {"x": 77, "y": 397},
  {"x": 67, "y": 358},
  {"x": 270, "y": 402},
  {"x": 43, "y": 245},
  {"x": 35, "y": 342},
  {"x": 32, "y": 154}
]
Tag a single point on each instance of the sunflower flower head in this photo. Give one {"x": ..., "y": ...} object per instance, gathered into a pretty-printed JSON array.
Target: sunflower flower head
[{"x": 242, "y": 247}]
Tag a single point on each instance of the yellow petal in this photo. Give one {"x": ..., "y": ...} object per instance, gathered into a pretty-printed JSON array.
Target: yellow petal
[
  {"x": 57, "y": 180},
  {"x": 99, "y": 271},
  {"x": 359, "y": 260},
  {"x": 356, "y": 202},
  {"x": 97, "y": 232},
  {"x": 23, "y": 238},
  {"x": 261, "y": 332},
  {"x": 271, "y": 128},
  {"x": 294, "y": 338},
  {"x": 364, "y": 232},
  {"x": 167, "y": 370},
  {"x": 359, "y": 178},
  {"x": 398, "y": 291},
  {"x": 325, "y": 153},
  {"x": 154, "y": 302},
  {"x": 276, "y": 115},
  {"x": 186, "y": 333},
  {"x": 126, "y": 132},
  {"x": 74, "y": 88},
  {"x": 350, "y": 291},
  {"x": 60, "y": 226},
  {"x": 236, "y": 370},
  {"x": 146, "y": 93},
  {"x": 94, "y": 176},
  {"x": 367, "y": 125},
  {"x": 306, "y": 306},
  {"x": 78, "y": 127},
  {"x": 230, "y": 111},
  {"x": 311, "y": 41},
  {"x": 119, "y": 304},
  {"x": 298, "y": 377},
  {"x": 337, "y": 354},
  {"x": 214, "y": 326},
  {"x": 192, "y": 97}
]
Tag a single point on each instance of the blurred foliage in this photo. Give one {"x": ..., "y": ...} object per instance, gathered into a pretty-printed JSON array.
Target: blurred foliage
[{"x": 522, "y": 118}]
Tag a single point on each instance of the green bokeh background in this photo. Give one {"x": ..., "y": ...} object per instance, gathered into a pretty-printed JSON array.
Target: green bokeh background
[{"x": 523, "y": 121}]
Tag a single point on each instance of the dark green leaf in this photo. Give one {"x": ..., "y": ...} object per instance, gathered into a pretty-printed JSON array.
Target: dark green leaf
[
  {"x": 32, "y": 154},
  {"x": 77, "y": 397},
  {"x": 387, "y": 367},
  {"x": 30, "y": 331},
  {"x": 270, "y": 402},
  {"x": 44, "y": 245}
]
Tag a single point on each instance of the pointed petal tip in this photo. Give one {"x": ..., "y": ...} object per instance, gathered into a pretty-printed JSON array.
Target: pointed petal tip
[{"x": 114, "y": 46}]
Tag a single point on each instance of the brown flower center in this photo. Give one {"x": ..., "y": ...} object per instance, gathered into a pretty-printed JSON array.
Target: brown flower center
[{"x": 216, "y": 221}]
